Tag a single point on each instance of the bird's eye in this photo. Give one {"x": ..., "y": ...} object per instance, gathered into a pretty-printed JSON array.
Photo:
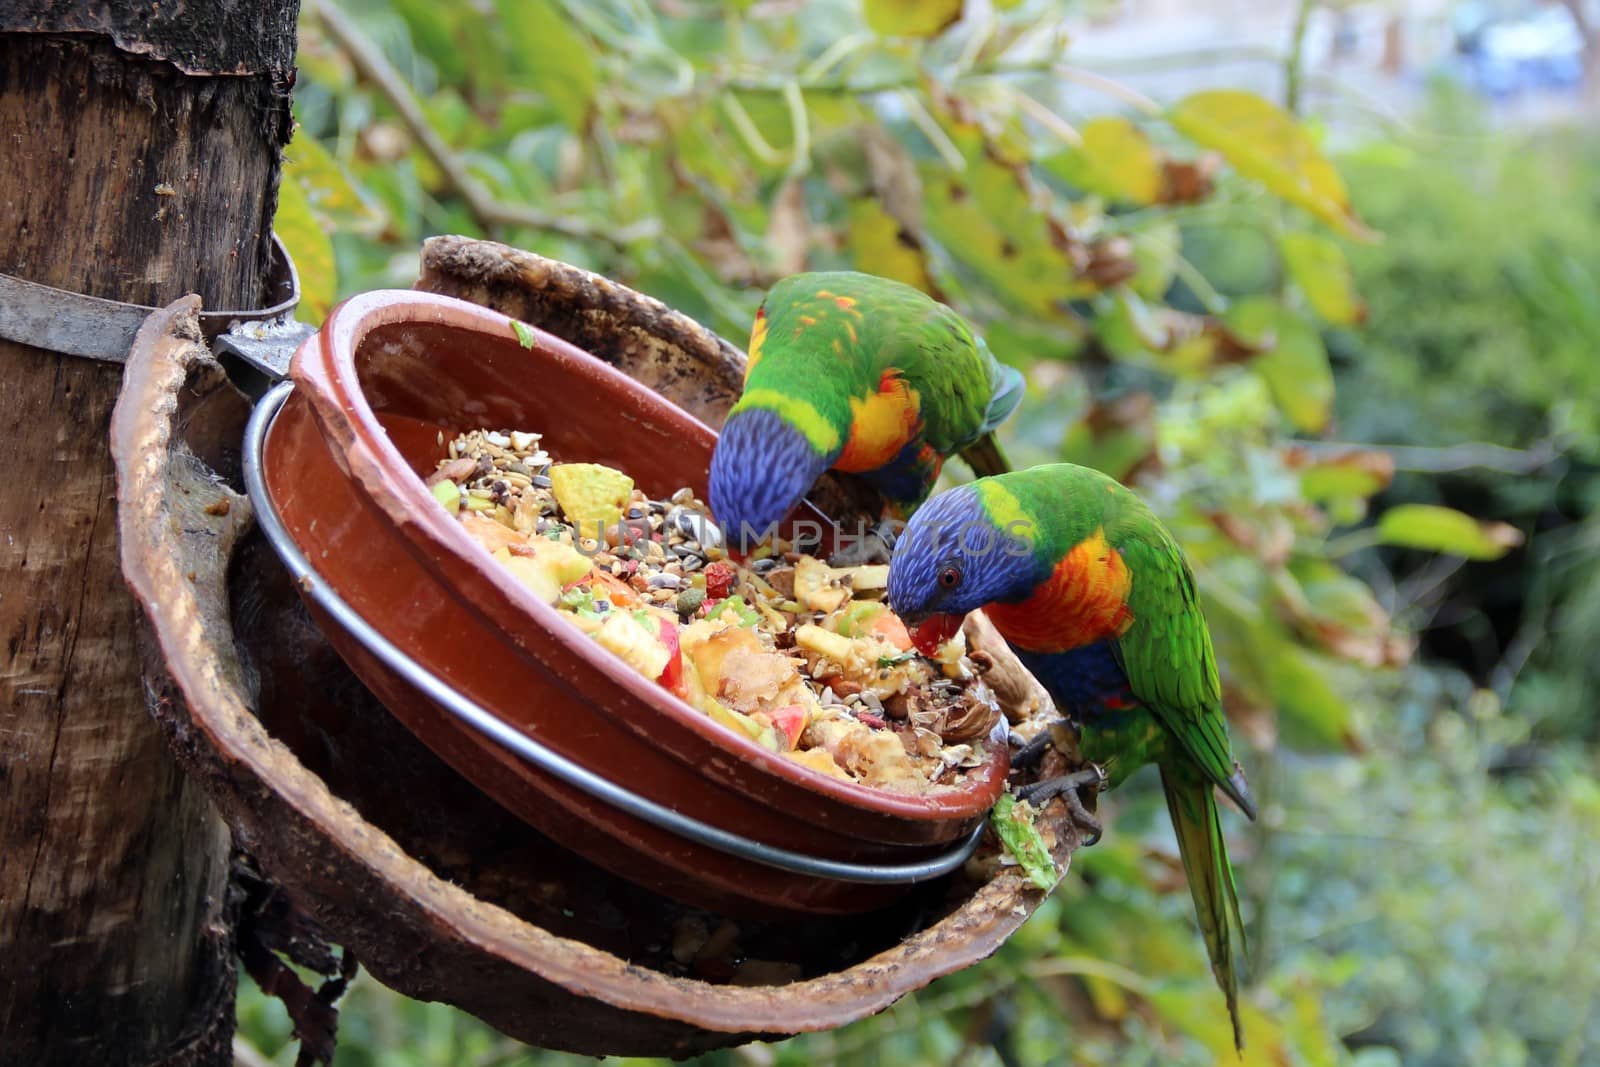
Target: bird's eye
[{"x": 950, "y": 577}]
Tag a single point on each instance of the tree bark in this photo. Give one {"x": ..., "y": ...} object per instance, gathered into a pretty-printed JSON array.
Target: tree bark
[{"x": 139, "y": 157}]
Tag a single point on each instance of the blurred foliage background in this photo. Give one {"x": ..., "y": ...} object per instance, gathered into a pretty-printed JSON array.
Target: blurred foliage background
[{"x": 1357, "y": 375}]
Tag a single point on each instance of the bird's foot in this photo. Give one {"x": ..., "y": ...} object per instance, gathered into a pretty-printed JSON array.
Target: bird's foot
[
  {"x": 1069, "y": 788},
  {"x": 869, "y": 546},
  {"x": 1028, "y": 755}
]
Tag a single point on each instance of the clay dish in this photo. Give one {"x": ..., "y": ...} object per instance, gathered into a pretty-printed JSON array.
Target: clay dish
[{"x": 390, "y": 378}]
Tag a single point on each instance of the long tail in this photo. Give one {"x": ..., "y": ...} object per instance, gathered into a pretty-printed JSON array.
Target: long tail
[
  {"x": 1193, "y": 807},
  {"x": 985, "y": 458}
]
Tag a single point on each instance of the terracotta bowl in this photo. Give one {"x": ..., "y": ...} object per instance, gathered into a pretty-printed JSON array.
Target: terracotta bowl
[{"x": 391, "y": 377}]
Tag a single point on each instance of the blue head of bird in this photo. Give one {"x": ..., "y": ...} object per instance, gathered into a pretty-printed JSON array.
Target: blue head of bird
[
  {"x": 762, "y": 467},
  {"x": 952, "y": 558}
]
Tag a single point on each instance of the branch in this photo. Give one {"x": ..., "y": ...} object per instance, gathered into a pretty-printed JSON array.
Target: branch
[
  {"x": 1088, "y": 78},
  {"x": 1473, "y": 455},
  {"x": 1294, "y": 62},
  {"x": 489, "y": 211}
]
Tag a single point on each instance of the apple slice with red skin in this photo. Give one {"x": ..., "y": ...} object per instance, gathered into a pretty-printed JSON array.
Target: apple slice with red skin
[
  {"x": 790, "y": 721},
  {"x": 671, "y": 678}
]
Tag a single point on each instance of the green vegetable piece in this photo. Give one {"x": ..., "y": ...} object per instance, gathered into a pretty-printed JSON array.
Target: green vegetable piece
[
  {"x": 748, "y": 615},
  {"x": 1021, "y": 839},
  {"x": 858, "y": 617},
  {"x": 580, "y": 601}
]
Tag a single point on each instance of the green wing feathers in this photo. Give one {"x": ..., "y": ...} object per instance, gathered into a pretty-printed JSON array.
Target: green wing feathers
[
  {"x": 1193, "y": 807},
  {"x": 1167, "y": 652}
]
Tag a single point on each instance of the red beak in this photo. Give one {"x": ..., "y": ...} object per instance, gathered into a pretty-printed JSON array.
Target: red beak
[{"x": 935, "y": 631}]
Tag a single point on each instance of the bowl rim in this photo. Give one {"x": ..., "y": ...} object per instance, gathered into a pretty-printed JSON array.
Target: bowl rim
[{"x": 324, "y": 368}]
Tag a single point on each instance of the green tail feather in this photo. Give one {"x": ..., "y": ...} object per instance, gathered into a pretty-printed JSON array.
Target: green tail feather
[{"x": 1193, "y": 807}]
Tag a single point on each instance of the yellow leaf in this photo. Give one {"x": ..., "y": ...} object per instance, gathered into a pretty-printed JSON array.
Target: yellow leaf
[
  {"x": 1116, "y": 160},
  {"x": 987, "y": 218},
  {"x": 1319, "y": 268},
  {"x": 311, "y": 248},
  {"x": 879, "y": 245},
  {"x": 911, "y": 18},
  {"x": 1264, "y": 142}
]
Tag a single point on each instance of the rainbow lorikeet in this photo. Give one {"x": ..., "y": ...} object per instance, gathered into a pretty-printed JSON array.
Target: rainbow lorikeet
[
  {"x": 1095, "y": 596},
  {"x": 855, "y": 373}
]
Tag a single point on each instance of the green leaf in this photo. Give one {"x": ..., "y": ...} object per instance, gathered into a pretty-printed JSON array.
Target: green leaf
[
  {"x": 1264, "y": 142},
  {"x": 1358, "y": 473},
  {"x": 1295, "y": 367},
  {"x": 911, "y": 18},
  {"x": 1318, "y": 266},
  {"x": 1312, "y": 713},
  {"x": 433, "y": 34},
  {"x": 552, "y": 56},
  {"x": 1023, "y": 842},
  {"x": 1155, "y": 249},
  {"x": 524, "y": 333},
  {"x": 1116, "y": 160},
  {"x": 1440, "y": 529},
  {"x": 311, "y": 247}
]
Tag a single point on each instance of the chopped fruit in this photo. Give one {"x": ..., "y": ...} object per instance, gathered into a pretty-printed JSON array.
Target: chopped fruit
[
  {"x": 818, "y": 760},
  {"x": 624, "y": 635},
  {"x": 836, "y": 647},
  {"x": 671, "y": 677},
  {"x": 709, "y": 643},
  {"x": 448, "y": 493},
  {"x": 868, "y": 579},
  {"x": 815, "y": 586},
  {"x": 720, "y": 577},
  {"x": 614, "y": 589},
  {"x": 858, "y": 618},
  {"x": 593, "y": 497},
  {"x": 734, "y": 720},
  {"x": 528, "y": 571},
  {"x": 544, "y": 567},
  {"x": 888, "y": 627},
  {"x": 791, "y": 721}
]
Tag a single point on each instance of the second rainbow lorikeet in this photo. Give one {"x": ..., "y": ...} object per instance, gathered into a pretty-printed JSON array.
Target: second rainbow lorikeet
[
  {"x": 1083, "y": 581},
  {"x": 862, "y": 374}
]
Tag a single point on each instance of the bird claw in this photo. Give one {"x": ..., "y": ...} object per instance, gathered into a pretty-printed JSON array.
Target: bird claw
[
  {"x": 1028, "y": 755},
  {"x": 1068, "y": 787}
]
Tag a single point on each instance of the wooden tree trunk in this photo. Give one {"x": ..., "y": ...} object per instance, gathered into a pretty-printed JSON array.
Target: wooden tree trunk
[{"x": 139, "y": 152}]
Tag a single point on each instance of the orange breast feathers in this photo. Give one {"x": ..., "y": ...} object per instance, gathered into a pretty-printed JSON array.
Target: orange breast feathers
[
  {"x": 880, "y": 425},
  {"x": 1084, "y": 600}
]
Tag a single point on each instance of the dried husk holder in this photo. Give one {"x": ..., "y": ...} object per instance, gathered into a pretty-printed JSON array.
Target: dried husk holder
[{"x": 373, "y": 843}]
